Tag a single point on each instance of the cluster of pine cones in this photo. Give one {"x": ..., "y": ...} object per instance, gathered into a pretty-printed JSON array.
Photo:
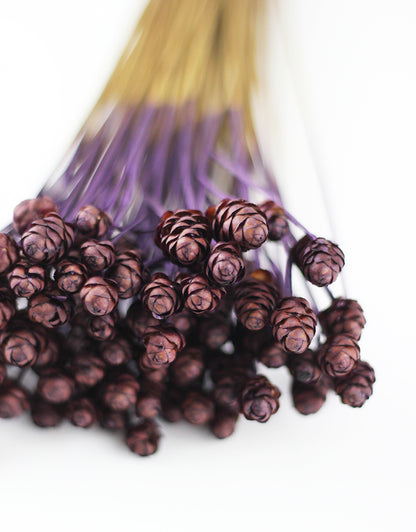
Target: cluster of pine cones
[{"x": 88, "y": 334}]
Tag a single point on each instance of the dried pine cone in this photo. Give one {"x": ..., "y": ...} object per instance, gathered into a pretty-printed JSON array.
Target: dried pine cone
[
  {"x": 197, "y": 408},
  {"x": 70, "y": 276},
  {"x": 272, "y": 355},
  {"x": 149, "y": 401},
  {"x": 162, "y": 297},
  {"x": 339, "y": 355},
  {"x": 162, "y": 345},
  {"x": 319, "y": 260},
  {"x": 223, "y": 424},
  {"x": 308, "y": 398},
  {"x": 276, "y": 220},
  {"x": 229, "y": 384},
  {"x": 30, "y": 210},
  {"x": 7, "y": 306},
  {"x": 101, "y": 328},
  {"x": 92, "y": 222},
  {"x": 111, "y": 420},
  {"x": 239, "y": 221},
  {"x": 184, "y": 236},
  {"x": 81, "y": 413},
  {"x": 99, "y": 296},
  {"x": 294, "y": 324},
  {"x": 116, "y": 352},
  {"x": 344, "y": 316},
  {"x": 128, "y": 273},
  {"x": 87, "y": 369},
  {"x": 305, "y": 368},
  {"x": 13, "y": 400},
  {"x": 214, "y": 332},
  {"x": 26, "y": 279},
  {"x": 254, "y": 300},
  {"x": 143, "y": 439},
  {"x": 356, "y": 387},
  {"x": 20, "y": 346},
  {"x": 3, "y": 373},
  {"x": 198, "y": 295},
  {"x": 55, "y": 386},
  {"x": 259, "y": 399},
  {"x": 50, "y": 309},
  {"x": 9, "y": 253},
  {"x": 49, "y": 349},
  {"x": 120, "y": 392},
  {"x": 44, "y": 414},
  {"x": 184, "y": 322},
  {"x": 139, "y": 319},
  {"x": 97, "y": 256},
  {"x": 225, "y": 265},
  {"x": 187, "y": 368}
]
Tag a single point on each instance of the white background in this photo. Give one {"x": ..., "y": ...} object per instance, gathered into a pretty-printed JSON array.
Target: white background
[{"x": 341, "y": 117}]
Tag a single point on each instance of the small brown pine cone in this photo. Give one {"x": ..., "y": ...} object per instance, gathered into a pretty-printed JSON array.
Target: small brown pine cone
[
  {"x": 198, "y": 408},
  {"x": 184, "y": 322},
  {"x": 214, "y": 332},
  {"x": 143, "y": 439},
  {"x": 187, "y": 368},
  {"x": 139, "y": 319},
  {"x": 92, "y": 222},
  {"x": 55, "y": 386},
  {"x": 272, "y": 355},
  {"x": 305, "y": 368},
  {"x": 120, "y": 392},
  {"x": 171, "y": 405},
  {"x": 70, "y": 276},
  {"x": 3, "y": 372},
  {"x": 339, "y": 355},
  {"x": 152, "y": 374},
  {"x": 101, "y": 328},
  {"x": 87, "y": 369},
  {"x": 294, "y": 324},
  {"x": 308, "y": 398},
  {"x": 344, "y": 316},
  {"x": 20, "y": 347},
  {"x": 357, "y": 387},
  {"x": 116, "y": 352},
  {"x": 149, "y": 401},
  {"x": 239, "y": 221},
  {"x": 162, "y": 344},
  {"x": 99, "y": 296},
  {"x": 184, "y": 236},
  {"x": 49, "y": 350},
  {"x": 44, "y": 414},
  {"x": 26, "y": 280},
  {"x": 225, "y": 265},
  {"x": 97, "y": 256},
  {"x": 81, "y": 413},
  {"x": 276, "y": 220},
  {"x": 162, "y": 297},
  {"x": 129, "y": 274},
  {"x": 111, "y": 420},
  {"x": 259, "y": 399},
  {"x": 254, "y": 300},
  {"x": 198, "y": 295},
  {"x": 7, "y": 306},
  {"x": 9, "y": 253},
  {"x": 223, "y": 424},
  {"x": 13, "y": 400},
  {"x": 319, "y": 260},
  {"x": 228, "y": 385},
  {"x": 47, "y": 239},
  {"x": 50, "y": 309},
  {"x": 29, "y": 210}
]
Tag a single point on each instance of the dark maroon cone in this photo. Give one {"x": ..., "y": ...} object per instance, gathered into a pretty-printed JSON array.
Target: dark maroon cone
[
  {"x": 50, "y": 309},
  {"x": 259, "y": 399},
  {"x": 55, "y": 386},
  {"x": 214, "y": 332},
  {"x": 276, "y": 220},
  {"x": 294, "y": 324},
  {"x": 153, "y": 375},
  {"x": 229, "y": 383},
  {"x": 97, "y": 256},
  {"x": 357, "y": 387},
  {"x": 44, "y": 415},
  {"x": 143, "y": 439},
  {"x": 308, "y": 398},
  {"x": 13, "y": 400},
  {"x": 81, "y": 413},
  {"x": 198, "y": 295},
  {"x": 187, "y": 368},
  {"x": 184, "y": 322},
  {"x": 149, "y": 401},
  {"x": 339, "y": 355},
  {"x": 70, "y": 276},
  {"x": 47, "y": 239},
  {"x": 116, "y": 352},
  {"x": 101, "y": 328},
  {"x": 26, "y": 280},
  {"x": 139, "y": 319},
  {"x": 30, "y": 210},
  {"x": 120, "y": 393},
  {"x": 20, "y": 347},
  {"x": 197, "y": 408},
  {"x": 3, "y": 373},
  {"x": 272, "y": 355},
  {"x": 162, "y": 344},
  {"x": 319, "y": 260},
  {"x": 111, "y": 420},
  {"x": 239, "y": 221},
  {"x": 344, "y": 316},
  {"x": 9, "y": 253},
  {"x": 49, "y": 350},
  {"x": 254, "y": 300},
  {"x": 129, "y": 274},
  {"x": 162, "y": 297},
  {"x": 92, "y": 222},
  {"x": 171, "y": 405},
  {"x": 305, "y": 368},
  {"x": 184, "y": 236},
  {"x": 7, "y": 306},
  {"x": 99, "y": 296},
  {"x": 225, "y": 265},
  {"x": 223, "y": 424},
  {"x": 87, "y": 369}
]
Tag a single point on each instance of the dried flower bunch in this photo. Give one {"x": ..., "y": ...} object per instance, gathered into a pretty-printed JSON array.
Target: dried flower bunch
[{"x": 143, "y": 283}]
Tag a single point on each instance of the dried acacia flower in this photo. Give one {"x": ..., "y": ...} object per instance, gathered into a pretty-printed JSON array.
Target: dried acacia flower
[
  {"x": 55, "y": 386},
  {"x": 128, "y": 273},
  {"x": 87, "y": 369},
  {"x": 7, "y": 306},
  {"x": 99, "y": 296},
  {"x": 9, "y": 253},
  {"x": 143, "y": 439},
  {"x": 344, "y": 316},
  {"x": 305, "y": 368},
  {"x": 339, "y": 355},
  {"x": 13, "y": 400},
  {"x": 161, "y": 296},
  {"x": 308, "y": 398},
  {"x": 44, "y": 414},
  {"x": 120, "y": 392},
  {"x": 276, "y": 220},
  {"x": 357, "y": 386},
  {"x": 81, "y": 412},
  {"x": 223, "y": 424},
  {"x": 116, "y": 352},
  {"x": 162, "y": 344},
  {"x": 197, "y": 408},
  {"x": 92, "y": 222},
  {"x": 26, "y": 279},
  {"x": 70, "y": 276},
  {"x": 259, "y": 399},
  {"x": 29, "y": 210},
  {"x": 50, "y": 309},
  {"x": 254, "y": 300},
  {"x": 97, "y": 256},
  {"x": 225, "y": 265},
  {"x": 187, "y": 368},
  {"x": 198, "y": 295}
]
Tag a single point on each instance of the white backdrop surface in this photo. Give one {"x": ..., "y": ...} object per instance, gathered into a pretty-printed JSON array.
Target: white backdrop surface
[{"x": 341, "y": 118}]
